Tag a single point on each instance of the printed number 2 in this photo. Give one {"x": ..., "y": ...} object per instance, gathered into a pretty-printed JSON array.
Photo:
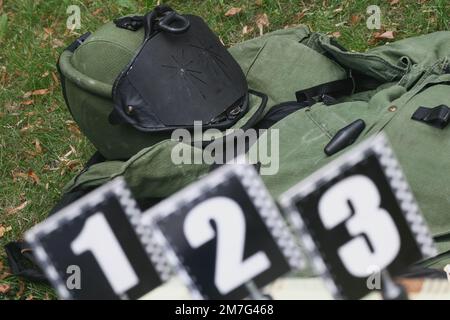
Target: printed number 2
[
  {"x": 231, "y": 271},
  {"x": 98, "y": 238},
  {"x": 356, "y": 200}
]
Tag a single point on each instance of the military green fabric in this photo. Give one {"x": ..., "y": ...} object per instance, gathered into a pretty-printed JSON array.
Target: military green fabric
[
  {"x": 415, "y": 72},
  {"x": 149, "y": 174},
  {"x": 422, "y": 150},
  {"x": 89, "y": 74},
  {"x": 278, "y": 64}
]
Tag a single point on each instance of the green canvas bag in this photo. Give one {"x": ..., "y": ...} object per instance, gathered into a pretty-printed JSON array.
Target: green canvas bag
[
  {"x": 394, "y": 80},
  {"x": 134, "y": 80}
]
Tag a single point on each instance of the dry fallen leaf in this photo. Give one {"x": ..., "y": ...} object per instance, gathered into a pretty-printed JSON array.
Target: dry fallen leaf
[
  {"x": 55, "y": 78},
  {"x": 12, "y": 107},
  {"x": 40, "y": 92},
  {"x": 336, "y": 34},
  {"x": 33, "y": 176},
  {"x": 355, "y": 19},
  {"x": 52, "y": 108},
  {"x": 70, "y": 152},
  {"x": 247, "y": 30},
  {"x": 262, "y": 20},
  {"x": 26, "y": 128},
  {"x": 73, "y": 164},
  {"x": 56, "y": 43},
  {"x": 4, "y": 230},
  {"x": 4, "y": 288},
  {"x": 4, "y": 275},
  {"x": 73, "y": 127},
  {"x": 37, "y": 124},
  {"x": 385, "y": 35},
  {"x": 232, "y": 12},
  {"x": 4, "y": 76},
  {"x": 394, "y": 2},
  {"x": 300, "y": 15},
  {"x": 48, "y": 31},
  {"x": 18, "y": 174},
  {"x": 382, "y": 35},
  {"x": 27, "y": 102},
  {"x": 37, "y": 146},
  {"x": 97, "y": 12},
  {"x": 11, "y": 211}
]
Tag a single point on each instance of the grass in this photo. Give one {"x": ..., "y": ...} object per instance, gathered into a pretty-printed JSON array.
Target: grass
[{"x": 41, "y": 148}]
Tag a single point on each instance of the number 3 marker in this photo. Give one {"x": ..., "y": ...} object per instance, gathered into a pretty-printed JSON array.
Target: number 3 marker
[{"x": 356, "y": 200}]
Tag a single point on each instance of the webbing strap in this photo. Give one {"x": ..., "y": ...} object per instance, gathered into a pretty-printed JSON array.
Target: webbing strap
[
  {"x": 21, "y": 262},
  {"x": 74, "y": 45},
  {"x": 133, "y": 23},
  {"x": 327, "y": 92}
]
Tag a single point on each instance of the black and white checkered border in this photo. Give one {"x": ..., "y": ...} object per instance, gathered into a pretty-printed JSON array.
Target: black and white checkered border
[
  {"x": 155, "y": 248},
  {"x": 116, "y": 187},
  {"x": 202, "y": 189},
  {"x": 379, "y": 146},
  {"x": 271, "y": 216},
  {"x": 405, "y": 198}
]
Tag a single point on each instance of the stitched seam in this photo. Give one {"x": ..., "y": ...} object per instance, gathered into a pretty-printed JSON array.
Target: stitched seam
[
  {"x": 108, "y": 42},
  {"x": 320, "y": 126},
  {"x": 256, "y": 58}
]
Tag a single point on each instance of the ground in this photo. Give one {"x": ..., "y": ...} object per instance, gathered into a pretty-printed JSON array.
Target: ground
[{"x": 41, "y": 147}]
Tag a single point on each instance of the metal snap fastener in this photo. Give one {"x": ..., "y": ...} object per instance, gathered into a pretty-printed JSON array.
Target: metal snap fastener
[
  {"x": 130, "y": 110},
  {"x": 392, "y": 108},
  {"x": 233, "y": 113}
]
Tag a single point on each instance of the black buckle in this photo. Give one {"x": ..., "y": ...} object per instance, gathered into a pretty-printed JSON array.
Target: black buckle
[
  {"x": 438, "y": 117},
  {"x": 173, "y": 22},
  {"x": 328, "y": 93},
  {"x": 78, "y": 42},
  {"x": 130, "y": 23}
]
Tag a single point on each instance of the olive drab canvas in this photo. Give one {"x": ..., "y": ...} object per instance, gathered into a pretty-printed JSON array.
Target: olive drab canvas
[
  {"x": 391, "y": 83},
  {"x": 285, "y": 165}
]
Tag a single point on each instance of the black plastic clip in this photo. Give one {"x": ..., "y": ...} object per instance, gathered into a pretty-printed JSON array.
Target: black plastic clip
[
  {"x": 438, "y": 117},
  {"x": 345, "y": 137},
  {"x": 78, "y": 42},
  {"x": 133, "y": 23},
  {"x": 173, "y": 22}
]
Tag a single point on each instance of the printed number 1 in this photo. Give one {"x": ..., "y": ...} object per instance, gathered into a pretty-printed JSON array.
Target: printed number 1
[
  {"x": 98, "y": 238},
  {"x": 231, "y": 271},
  {"x": 356, "y": 201}
]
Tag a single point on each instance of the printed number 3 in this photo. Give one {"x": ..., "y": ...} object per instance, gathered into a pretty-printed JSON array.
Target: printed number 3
[
  {"x": 231, "y": 271},
  {"x": 356, "y": 200}
]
